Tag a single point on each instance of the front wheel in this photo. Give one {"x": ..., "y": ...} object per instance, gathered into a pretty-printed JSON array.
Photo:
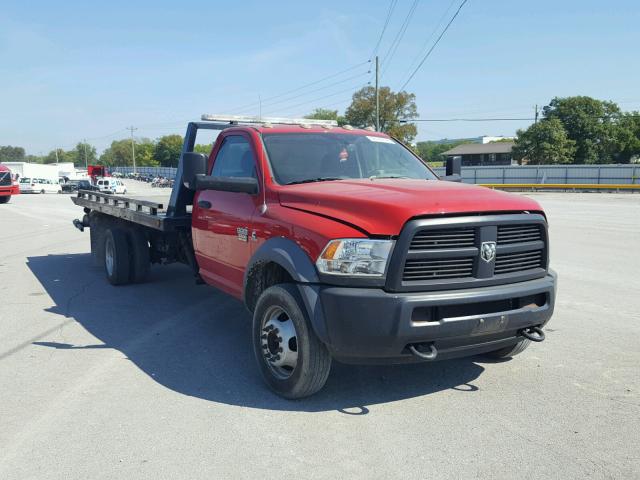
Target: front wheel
[
  {"x": 5, "y": 199},
  {"x": 291, "y": 358}
]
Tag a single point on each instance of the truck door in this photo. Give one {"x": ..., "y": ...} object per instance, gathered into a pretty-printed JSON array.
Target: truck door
[{"x": 222, "y": 220}]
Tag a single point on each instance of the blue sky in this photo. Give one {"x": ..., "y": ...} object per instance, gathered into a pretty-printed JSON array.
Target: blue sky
[{"x": 71, "y": 70}]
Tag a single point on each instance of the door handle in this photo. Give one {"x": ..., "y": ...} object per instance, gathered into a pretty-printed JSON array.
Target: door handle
[{"x": 204, "y": 204}]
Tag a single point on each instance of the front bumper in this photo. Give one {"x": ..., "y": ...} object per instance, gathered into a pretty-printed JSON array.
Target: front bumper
[{"x": 369, "y": 325}]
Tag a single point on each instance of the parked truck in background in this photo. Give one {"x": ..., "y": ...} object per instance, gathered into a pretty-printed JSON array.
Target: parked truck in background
[
  {"x": 8, "y": 184},
  {"x": 342, "y": 244}
]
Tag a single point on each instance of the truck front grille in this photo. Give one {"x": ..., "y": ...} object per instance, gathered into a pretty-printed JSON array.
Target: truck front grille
[
  {"x": 518, "y": 262},
  {"x": 447, "y": 253},
  {"x": 451, "y": 238},
  {"x": 518, "y": 233},
  {"x": 428, "y": 269}
]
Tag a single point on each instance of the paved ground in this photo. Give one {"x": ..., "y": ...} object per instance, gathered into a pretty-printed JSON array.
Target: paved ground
[{"x": 158, "y": 381}]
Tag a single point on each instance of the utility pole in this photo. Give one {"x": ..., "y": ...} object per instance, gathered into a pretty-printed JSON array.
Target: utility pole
[
  {"x": 377, "y": 98},
  {"x": 56, "y": 156},
  {"x": 536, "y": 120},
  {"x": 86, "y": 161},
  {"x": 133, "y": 148}
]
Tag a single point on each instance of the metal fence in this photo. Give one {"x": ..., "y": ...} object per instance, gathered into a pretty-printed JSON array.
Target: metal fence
[
  {"x": 167, "y": 172},
  {"x": 599, "y": 174},
  {"x": 572, "y": 174}
]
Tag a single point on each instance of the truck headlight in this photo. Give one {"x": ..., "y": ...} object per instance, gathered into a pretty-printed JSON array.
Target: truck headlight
[{"x": 355, "y": 257}]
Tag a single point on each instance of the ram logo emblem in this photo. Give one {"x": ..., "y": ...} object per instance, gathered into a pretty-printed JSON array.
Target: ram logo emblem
[{"x": 488, "y": 251}]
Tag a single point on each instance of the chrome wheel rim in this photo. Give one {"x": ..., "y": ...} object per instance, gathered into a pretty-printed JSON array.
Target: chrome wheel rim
[
  {"x": 108, "y": 257},
  {"x": 279, "y": 342}
]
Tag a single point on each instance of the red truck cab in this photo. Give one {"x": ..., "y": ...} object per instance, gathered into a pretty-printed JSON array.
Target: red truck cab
[
  {"x": 8, "y": 184},
  {"x": 387, "y": 262}
]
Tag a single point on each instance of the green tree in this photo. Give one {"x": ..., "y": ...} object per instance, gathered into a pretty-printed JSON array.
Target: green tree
[
  {"x": 61, "y": 157},
  {"x": 84, "y": 154},
  {"x": 118, "y": 154},
  {"x": 393, "y": 107},
  {"x": 326, "y": 114},
  {"x": 11, "y": 154},
  {"x": 628, "y": 137},
  {"x": 545, "y": 142},
  {"x": 203, "y": 148},
  {"x": 167, "y": 150},
  {"x": 145, "y": 150},
  {"x": 592, "y": 124}
]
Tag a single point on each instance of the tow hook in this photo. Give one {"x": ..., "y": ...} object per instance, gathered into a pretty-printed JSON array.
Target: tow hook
[
  {"x": 78, "y": 224},
  {"x": 430, "y": 355},
  {"x": 535, "y": 334},
  {"x": 81, "y": 224}
]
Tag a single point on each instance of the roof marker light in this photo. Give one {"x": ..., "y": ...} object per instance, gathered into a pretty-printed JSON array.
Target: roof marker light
[{"x": 236, "y": 119}]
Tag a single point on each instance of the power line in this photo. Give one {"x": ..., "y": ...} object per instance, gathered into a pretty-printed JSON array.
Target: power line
[
  {"x": 511, "y": 119},
  {"x": 351, "y": 89},
  {"x": 284, "y": 100},
  {"x": 434, "y": 44},
  {"x": 465, "y": 119},
  {"x": 392, "y": 6},
  {"x": 254, "y": 104},
  {"x": 426, "y": 42},
  {"x": 398, "y": 38}
]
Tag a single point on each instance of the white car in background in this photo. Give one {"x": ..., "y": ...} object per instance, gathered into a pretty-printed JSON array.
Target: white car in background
[
  {"x": 39, "y": 185},
  {"x": 111, "y": 185}
]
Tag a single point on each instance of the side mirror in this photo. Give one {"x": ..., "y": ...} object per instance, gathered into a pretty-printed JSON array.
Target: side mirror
[
  {"x": 453, "y": 172},
  {"x": 227, "y": 184},
  {"x": 193, "y": 164}
]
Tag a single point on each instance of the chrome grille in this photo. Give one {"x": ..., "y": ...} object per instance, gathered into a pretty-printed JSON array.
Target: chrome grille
[
  {"x": 445, "y": 253},
  {"x": 430, "y": 269},
  {"x": 449, "y": 238},
  {"x": 508, "y": 234},
  {"x": 519, "y": 261}
]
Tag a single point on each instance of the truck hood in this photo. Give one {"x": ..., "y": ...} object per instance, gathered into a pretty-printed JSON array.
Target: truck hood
[{"x": 383, "y": 206}]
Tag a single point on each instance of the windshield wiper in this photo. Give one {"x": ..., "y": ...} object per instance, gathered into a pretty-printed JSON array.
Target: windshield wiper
[
  {"x": 375, "y": 177},
  {"x": 312, "y": 180}
]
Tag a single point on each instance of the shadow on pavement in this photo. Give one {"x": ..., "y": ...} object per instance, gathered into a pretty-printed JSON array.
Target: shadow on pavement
[{"x": 195, "y": 341}]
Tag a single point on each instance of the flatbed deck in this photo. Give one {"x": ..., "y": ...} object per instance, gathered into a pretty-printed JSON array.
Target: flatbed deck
[{"x": 144, "y": 212}]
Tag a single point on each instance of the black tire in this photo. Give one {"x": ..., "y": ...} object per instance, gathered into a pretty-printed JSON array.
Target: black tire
[
  {"x": 510, "y": 351},
  {"x": 117, "y": 259},
  {"x": 5, "y": 199},
  {"x": 42, "y": 192},
  {"x": 313, "y": 359},
  {"x": 140, "y": 255}
]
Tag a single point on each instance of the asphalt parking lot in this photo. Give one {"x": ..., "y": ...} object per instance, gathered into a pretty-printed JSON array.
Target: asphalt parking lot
[{"x": 158, "y": 380}]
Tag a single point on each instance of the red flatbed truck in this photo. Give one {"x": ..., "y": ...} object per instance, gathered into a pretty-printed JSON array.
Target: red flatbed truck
[
  {"x": 342, "y": 243},
  {"x": 8, "y": 185}
]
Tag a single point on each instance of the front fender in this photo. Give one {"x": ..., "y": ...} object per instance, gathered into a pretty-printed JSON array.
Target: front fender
[{"x": 288, "y": 254}]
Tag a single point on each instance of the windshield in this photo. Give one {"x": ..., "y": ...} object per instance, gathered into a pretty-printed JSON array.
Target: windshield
[{"x": 308, "y": 157}]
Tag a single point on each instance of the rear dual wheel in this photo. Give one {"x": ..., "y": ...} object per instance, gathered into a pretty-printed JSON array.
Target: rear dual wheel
[{"x": 126, "y": 256}]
